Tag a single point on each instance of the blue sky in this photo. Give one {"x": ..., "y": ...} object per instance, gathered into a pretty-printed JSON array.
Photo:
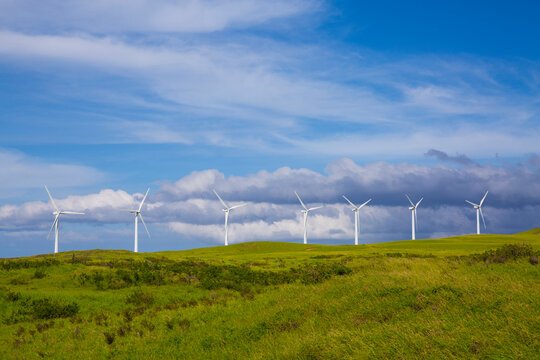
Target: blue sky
[{"x": 257, "y": 99}]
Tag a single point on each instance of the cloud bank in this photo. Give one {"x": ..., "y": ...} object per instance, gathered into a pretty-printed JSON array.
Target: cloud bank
[{"x": 189, "y": 209}]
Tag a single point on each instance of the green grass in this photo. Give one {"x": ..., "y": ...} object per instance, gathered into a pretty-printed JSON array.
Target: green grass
[{"x": 453, "y": 298}]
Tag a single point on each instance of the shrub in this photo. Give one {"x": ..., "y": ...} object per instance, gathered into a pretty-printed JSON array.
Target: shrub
[
  {"x": 139, "y": 297},
  {"x": 169, "y": 323},
  {"x": 47, "y": 308},
  {"x": 124, "y": 330},
  {"x": 39, "y": 274},
  {"x": 505, "y": 253},
  {"x": 109, "y": 337},
  {"x": 12, "y": 296},
  {"x": 15, "y": 264},
  {"x": 316, "y": 273},
  {"x": 184, "y": 324},
  {"x": 18, "y": 281},
  {"x": 44, "y": 326}
]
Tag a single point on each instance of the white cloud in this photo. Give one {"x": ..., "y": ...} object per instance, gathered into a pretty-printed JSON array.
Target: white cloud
[
  {"x": 258, "y": 93},
  {"x": 183, "y": 16},
  {"x": 22, "y": 171},
  {"x": 189, "y": 207}
]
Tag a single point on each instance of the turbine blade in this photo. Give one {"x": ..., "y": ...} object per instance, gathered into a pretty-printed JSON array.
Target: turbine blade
[
  {"x": 72, "y": 213},
  {"x": 221, "y": 200},
  {"x": 408, "y": 198},
  {"x": 237, "y": 206},
  {"x": 54, "y": 222},
  {"x": 416, "y": 220},
  {"x": 418, "y": 203},
  {"x": 314, "y": 208},
  {"x": 144, "y": 198},
  {"x": 126, "y": 210},
  {"x": 484, "y": 198},
  {"x": 484, "y": 221},
  {"x": 350, "y": 202},
  {"x": 301, "y": 202},
  {"x": 473, "y": 204},
  {"x": 52, "y": 200},
  {"x": 364, "y": 204},
  {"x": 142, "y": 220}
]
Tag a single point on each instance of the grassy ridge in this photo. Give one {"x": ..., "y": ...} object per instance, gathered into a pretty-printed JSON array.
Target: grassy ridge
[{"x": 409, "y": 299}]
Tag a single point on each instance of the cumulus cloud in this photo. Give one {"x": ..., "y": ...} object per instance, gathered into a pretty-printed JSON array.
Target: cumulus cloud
[
  {"x": 190, "y": 208},
  {"x": 510, "y": 185}
]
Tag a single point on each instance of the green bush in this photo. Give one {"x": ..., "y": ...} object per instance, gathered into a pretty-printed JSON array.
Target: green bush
[
  {"x": 140, "y": 298},
  {"x": 39, "y": 274},
  {"x": 47, "y": 308},
  {"x": 505, "y": 253},
  {"x": 15, "y": 264}
]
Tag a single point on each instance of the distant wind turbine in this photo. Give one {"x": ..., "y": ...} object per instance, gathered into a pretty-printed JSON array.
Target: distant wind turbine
[
  {"x": 227, "y": 210},
  {"x": 356, "y": 209},
  {"x": 306, "y": 211},
  {"x": 413, "y": 215},
  {"x": 57, "y": 212},
  {"x": 137, "y": 216},
  {"x": 479, "y": 212}
]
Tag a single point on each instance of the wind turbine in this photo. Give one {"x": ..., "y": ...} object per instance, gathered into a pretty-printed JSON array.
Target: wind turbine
[
  {"x": 306, "y": 211},
  {"x": 356, "y": 217},
  {"x": 227, "y": 210},
  {"x": 137, "y": 216},
  {"x": 478, "y": 208},
  {"x": 413, "y": 215},
  {"x": 57, "y": 212}
]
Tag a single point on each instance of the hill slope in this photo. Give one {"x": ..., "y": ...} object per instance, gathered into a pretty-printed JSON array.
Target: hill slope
[{"x": 411, "y": 299}]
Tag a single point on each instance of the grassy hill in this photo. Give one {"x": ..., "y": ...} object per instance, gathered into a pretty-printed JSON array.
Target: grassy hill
[{"x": 459, "y": 297}]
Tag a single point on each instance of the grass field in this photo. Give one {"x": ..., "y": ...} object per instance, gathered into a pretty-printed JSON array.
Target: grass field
[{"x": 448, "y": 298}]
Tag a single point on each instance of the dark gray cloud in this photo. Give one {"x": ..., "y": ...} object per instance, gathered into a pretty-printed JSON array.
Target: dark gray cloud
[
  {"x": 534, "y": 161},
  {"x": 442, "y": 156},
  {"x": 509, "y": 185},
  {"x": 189, "y": 208}
]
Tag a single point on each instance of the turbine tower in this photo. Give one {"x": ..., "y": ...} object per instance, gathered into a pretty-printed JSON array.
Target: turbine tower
[
  {"x": 57, "y": 212},
  {"x": 479, "y": 212},
  {"x": 414, "y": 217},
  {"x": 306, "y": 211},
  {"x": 227, "y": 210},
  {"x": 356, "y": 217},
  {"x": 138, "y": 215}
]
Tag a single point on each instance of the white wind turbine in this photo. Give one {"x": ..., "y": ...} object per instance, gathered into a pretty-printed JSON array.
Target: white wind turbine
[
  {"x": 356, "y": 209},
  {"x": 57, "y": 212},
  {"x": 137, "y": 216},
  {"x": 413, "y": 215},
  {"x": 306, "y": 211},
  {"x": 227, "y": 210},
  {"x": 478, "y": 208}
]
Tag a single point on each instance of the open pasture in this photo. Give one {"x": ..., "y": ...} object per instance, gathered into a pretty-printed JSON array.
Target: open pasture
[{"x": 457, "y": 297}]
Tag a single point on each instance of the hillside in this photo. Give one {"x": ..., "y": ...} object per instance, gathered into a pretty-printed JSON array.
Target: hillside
[{"x": 459, "y": 297}]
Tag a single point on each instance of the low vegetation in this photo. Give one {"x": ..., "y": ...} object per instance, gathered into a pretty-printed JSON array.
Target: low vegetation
[{"x": 465, "y": 297}]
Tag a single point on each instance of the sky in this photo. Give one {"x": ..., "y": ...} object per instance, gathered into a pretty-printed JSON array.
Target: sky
[{"x": 257, "y": 99}]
